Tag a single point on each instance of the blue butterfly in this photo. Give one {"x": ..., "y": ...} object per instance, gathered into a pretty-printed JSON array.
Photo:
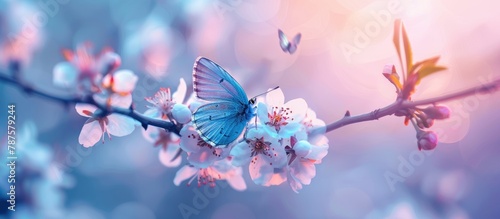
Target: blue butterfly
[
  {"x": 222, "y": 120},
  {"x": 287, "y": 45}
]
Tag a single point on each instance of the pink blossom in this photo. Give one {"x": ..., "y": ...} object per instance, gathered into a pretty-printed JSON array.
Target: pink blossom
[
  {"x": 303, "y": 157},
  {"x": 265, "y": 154},
  {"x": 219, "y": 170},
  {"x": 169, "y": 143},
  {"x": 117, "y": 89},
  {"x": 83, "y": 68},
  {"x": 164, "y": 101},
  {"x": 97, "y": 125},
  {"x": 311, "y": 122},
  {"x": 283, "y": 117},
  {"x": 120, "y": 82},
  {"x": 65, "y": 75},
  {"x": 18, "y": 40}
]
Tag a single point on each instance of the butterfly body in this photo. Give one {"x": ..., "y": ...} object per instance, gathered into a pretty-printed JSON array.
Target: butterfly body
[
  {"x": 223, "y": 119},
  {"x": 287, "y": 45}
]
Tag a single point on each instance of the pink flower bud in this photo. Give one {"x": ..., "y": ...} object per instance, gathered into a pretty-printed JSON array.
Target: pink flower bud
[
  {"x": 181, "y": 113},
  {"x": 427, "y": 140},
  {"x": 109, "y": 61},
  {"x": 437, "y": 112},
  {"x": 428, "y": 123}
]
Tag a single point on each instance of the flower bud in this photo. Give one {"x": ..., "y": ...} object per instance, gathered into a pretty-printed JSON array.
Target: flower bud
[
  {"x": 193, "y": 106},
  {"x": 425, "y": 123},
  {"x": 181, "y": 113},
  {"x": 427, "y": 140},
  {"x": 437, "y": 112},
  {"x": 429, "y": 123},
  {"x": 123, "y": 81},
  {"x": 65, "y": 74},
  {"x": 109, "y": 61}
]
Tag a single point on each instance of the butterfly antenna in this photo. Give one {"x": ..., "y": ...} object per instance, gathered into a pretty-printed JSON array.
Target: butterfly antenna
[{"x": 267, "y": 91}]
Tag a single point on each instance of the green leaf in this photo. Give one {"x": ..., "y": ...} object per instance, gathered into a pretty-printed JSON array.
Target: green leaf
[
  {"x": 397, "y": 44},
  {"x": 408, "y": 52},
  {"x": 428, "y": 70},
  {"x": 430, "y": 62}
]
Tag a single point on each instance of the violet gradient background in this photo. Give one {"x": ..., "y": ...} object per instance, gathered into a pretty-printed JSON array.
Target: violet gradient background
[{"x": 159, "y": 41}]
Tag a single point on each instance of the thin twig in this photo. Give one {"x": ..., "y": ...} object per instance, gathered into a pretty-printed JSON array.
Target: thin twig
[
  {"x": 144, "y": 120},
  {"x": 399, "y": 105}
]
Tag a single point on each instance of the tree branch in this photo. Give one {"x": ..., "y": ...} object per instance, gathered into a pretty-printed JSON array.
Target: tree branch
[
  {"x": 400, "y": 105},
  {"x": 144, "y": 120}
]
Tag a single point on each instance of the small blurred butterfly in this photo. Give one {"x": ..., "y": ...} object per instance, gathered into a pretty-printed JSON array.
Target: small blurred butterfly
[
  {"x": 222, "y": 120},
  {"x": 286, "y": 45}
]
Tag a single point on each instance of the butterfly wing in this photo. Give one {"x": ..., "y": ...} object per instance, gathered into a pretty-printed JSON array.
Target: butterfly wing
[
  {"x": 284, "y": 43},
  {"x": 295, "y": 42},
  {"x": 212, "y": 83},
  {"x": 223, "y": 120},
  {"x": 296, "y": 39},
  {"x": 220, "y": 123},
  {"x": 292, "y": 48}
]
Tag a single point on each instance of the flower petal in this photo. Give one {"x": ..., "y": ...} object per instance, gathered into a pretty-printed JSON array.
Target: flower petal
[
  {"x": 260, "y": 170},
  {"x": 303, "y": 170},
  {"x": 184, "y": 173},
  {"x": 166, "y": 156},
  {"x": 120, "y": 125},
  {"x": 204, "y": 157},
  {"x": 241, "y": 154},
  {"x": 180, "y": 94},
  {"x": 275, "y": 98},
  {"x": 236, "y": 181},
  {"x": 83, "y": 109},
  {"x": 90, "y": 134},
  {"x": 289, "y": 129},
  {"x": 319, "y": 149},
  {"x": 124, "y": 81},
  {"x": 262, "y": 113},
  {"x": 299, "y": 108},
  {"x": 278, "y": 177},
  {"x": 296, "y": 186},
  {"x": 121, "y": 101},
  {"x": 189, "y": 139},
  {"x": 151, "y": 134}
]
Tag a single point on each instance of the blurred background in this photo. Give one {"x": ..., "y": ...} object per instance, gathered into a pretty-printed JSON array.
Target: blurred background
[{"x": 337, "y": 67}]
